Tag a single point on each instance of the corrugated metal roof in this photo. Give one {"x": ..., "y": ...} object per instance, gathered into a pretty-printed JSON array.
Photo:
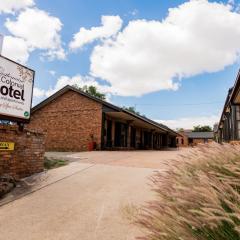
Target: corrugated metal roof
[{"x": 206, "y": 135}]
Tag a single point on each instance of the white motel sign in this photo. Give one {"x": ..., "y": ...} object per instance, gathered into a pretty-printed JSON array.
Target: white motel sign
[{"x": 16, "y": 87}]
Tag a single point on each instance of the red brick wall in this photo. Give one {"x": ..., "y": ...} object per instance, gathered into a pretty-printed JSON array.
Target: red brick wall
[
  {"x": 27, "y": 157},
  {"x": 68, "y": 122},
  {"x": 183, "y": 138}
]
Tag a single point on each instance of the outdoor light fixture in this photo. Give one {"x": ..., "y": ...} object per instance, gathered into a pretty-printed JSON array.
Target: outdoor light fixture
[{"x": 228, "y": 110}]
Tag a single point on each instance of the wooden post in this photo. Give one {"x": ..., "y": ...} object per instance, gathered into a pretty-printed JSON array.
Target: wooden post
[
  {"x": 20, "y": 126},
  {"x": 129, "y": 137},
  {"x": 113, "y": 133},
  {"x": 102, "y": 145}
]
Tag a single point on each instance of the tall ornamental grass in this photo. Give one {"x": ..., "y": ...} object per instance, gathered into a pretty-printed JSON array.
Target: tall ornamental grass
[{"x": 197, "y": 197}]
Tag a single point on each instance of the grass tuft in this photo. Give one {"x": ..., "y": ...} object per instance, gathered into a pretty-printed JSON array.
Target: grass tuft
[
  {"x": 197, "y": 197},
  {"x": 50, "y": 163}
]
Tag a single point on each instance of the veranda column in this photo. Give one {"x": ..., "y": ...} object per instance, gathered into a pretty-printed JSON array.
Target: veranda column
[{"x": 113, "y": 133}]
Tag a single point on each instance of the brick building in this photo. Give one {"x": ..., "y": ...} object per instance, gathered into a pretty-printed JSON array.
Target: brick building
[
  {"x": 190, "y": 138},
  {"x": 75, "y": 121},
  {"x": 182, "y": 139}
]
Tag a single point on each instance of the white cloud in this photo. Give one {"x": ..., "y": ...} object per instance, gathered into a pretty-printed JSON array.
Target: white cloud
[
  {"x": 52, "y": 72},
  {"x": 52, "y": 54},
  {"x": 77, "y": 80},
  {"x": 11, "y": 6},
  {"x": 110, "y": 26},
  {"x": 134, "y": 12},
  {"x": 38, "y": 92},
  {"x": 190, "y": 122},
  {"x": 39, "y": 30},
  {"x": 16, "y": 49},
  {"x": 196, "y": 37}
]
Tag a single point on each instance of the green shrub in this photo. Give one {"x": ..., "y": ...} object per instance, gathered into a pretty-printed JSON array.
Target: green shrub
[
  {"x": 197, "y": 197},
  {"x": 54, "y": 163}
]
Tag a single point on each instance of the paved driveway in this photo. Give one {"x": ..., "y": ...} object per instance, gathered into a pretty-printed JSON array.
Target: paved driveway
[
  {"x": 86, "y": 199},
  {"x": 140, "y": 159}
]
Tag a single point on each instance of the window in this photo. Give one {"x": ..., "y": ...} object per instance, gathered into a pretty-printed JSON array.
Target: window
[
  {"x": 238, "y": 120},
  {"x": 182, "y": 141},
  {"x": 238, "y": 128},
  {"x": 238, "y": 112}
]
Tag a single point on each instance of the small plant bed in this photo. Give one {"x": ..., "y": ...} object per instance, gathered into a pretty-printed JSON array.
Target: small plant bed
[
  {"x": 7, "y": 184},
  {"x": 50, "y": 163},
  {"x": 197, "y": 197}
]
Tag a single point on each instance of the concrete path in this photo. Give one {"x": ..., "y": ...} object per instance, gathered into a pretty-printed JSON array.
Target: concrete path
[{"x": 86, "y": 199}]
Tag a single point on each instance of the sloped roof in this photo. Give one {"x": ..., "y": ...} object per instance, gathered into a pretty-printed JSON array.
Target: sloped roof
[
  {"x": 228, "y": 98},
  {"x": 232, "y": 92},
  {"x": 66, "y": 89},
  {"x": 202, "y": 135},
  {"x": 161, "y": 125},
  {"x": 114, "y": 107}
]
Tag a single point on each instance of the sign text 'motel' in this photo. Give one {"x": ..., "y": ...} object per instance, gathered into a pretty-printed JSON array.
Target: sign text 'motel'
[{"x": 16, "y": 87}]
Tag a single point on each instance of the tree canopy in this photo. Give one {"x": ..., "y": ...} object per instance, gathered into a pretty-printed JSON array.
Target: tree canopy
[
  {"x": 91, "y": 90},
  {"x": 200, "y": 128},
  {"x": 132, "y": 110}
]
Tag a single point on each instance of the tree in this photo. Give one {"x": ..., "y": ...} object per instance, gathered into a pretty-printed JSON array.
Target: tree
[
  {"x": 200, "y": 128},
  {"x": 132, "y": 110},
  {"x": 91, "y": 90}
]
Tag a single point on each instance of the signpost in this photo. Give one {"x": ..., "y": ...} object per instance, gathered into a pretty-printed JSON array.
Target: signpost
[
  {"x": 6, "y": 146},
  {"x": 16, "y": 88}
]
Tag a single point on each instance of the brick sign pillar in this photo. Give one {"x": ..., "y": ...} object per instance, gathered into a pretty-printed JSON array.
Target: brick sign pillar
[{"x": 28, "y": 155}]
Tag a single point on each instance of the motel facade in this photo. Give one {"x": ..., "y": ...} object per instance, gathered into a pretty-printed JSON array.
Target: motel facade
[{"x": 73, "y": 120}]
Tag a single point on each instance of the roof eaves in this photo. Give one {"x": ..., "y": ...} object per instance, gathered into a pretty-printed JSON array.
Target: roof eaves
[
  {"x": 236, "y": 87},
  {"x": 142, "y": 118},
  {"x": 227, "y": 101},
  {"x": 145, "y": 119}
]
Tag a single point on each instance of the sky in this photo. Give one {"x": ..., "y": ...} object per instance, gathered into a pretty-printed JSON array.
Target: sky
[{"x": 174, "y": 61}]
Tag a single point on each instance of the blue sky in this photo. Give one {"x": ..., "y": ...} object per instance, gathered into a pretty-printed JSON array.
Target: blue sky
[{"x": 142, "y": 56}]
